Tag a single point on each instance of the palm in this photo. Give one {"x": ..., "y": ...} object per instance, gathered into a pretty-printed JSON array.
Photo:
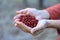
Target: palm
[{"x": 32, "y": 12}]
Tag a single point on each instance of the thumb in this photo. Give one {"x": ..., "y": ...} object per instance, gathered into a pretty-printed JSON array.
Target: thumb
[
  {"x": 40, "y": 26},
  {"x": 23, "y": 11},
  {"x": 23, "y": 27}
]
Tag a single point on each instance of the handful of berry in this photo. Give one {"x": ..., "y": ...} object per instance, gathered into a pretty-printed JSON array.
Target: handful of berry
[{"x": 29, "y": 20}]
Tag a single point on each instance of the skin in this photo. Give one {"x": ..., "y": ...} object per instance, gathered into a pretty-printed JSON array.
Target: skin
[
  {"x": 50, "y": 23},
  {"x": 23, "y": 27},
  {"x": 54, "y": 24}
]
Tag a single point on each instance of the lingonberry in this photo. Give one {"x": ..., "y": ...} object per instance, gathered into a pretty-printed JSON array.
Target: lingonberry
[{"x": 29, "y": 20}]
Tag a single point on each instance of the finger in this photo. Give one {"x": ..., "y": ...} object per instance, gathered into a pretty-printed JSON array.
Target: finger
[
  {"x": 16, "y": 20},
  {"x": 20, "y": 27},
  {"x": 21, "y": 11},
  {"x": 28, "y": 12},
  {"x": 23, "y": 26},
  {"x": 37, "y": 32},
  {"x": 41, "y": 25},
  {"x": 18, "y": 16}
]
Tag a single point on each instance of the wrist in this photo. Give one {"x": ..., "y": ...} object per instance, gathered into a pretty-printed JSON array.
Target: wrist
[
  {"x": 44, "y": 14},
  {"x": 49, "y": 24}
]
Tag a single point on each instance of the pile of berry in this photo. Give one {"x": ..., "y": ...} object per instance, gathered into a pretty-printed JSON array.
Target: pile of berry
[{"x": 29, "y": 20}]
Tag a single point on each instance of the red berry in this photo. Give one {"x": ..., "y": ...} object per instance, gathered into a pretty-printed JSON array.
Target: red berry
[{"x": 29, "y": 20}]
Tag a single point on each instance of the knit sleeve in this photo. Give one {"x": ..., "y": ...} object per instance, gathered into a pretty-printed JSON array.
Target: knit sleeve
[{"x": 54, "y": 11}]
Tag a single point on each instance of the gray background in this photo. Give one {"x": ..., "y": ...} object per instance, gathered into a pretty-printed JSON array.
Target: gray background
[{"x": 7, "y": 11}]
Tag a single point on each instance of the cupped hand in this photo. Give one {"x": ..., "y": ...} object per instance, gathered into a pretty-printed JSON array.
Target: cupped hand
[
  {"x": 31, "y": 11},
  {"x": 42, "y": 24}
]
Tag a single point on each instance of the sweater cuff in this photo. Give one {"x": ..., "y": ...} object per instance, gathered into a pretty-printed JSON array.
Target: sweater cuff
[{"x": 54, "y": 11}]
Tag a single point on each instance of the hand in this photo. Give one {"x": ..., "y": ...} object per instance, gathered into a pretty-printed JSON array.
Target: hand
[
  {"x": 20, "y": 24},
  {"x": 42, "y": 24},
  {"x": 39, "y": 14}
]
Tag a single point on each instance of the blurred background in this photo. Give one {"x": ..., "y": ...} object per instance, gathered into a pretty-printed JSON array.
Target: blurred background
[{"x": 8, "y": 10}]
